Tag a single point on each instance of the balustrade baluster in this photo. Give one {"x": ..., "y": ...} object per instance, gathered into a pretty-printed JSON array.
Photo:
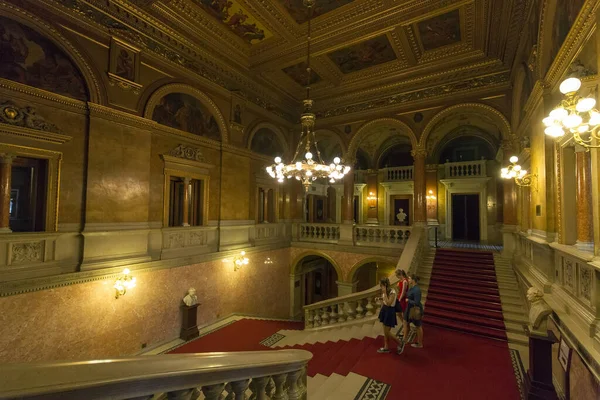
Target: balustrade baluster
[
  {"x": 349, "y": 311},
  {"x": 293, "y": 391},
  {"x": 325, "y": 316},
  {"x": 213, "y": 392},
  {"x": 369, "y": 307},
  {"x": 147, "y": 397},
  {"x": 309, "y": 318},
  {"x": 239, "y": 389},
  {"x": 270, "y": 388},
  {"x": 257, "y": 387},
  {"x": 317, "y": 319},
  {"x": 229, "y": 389},
  {"x": 333, "y": 317},
  {"x": 280, "y": 392},
  {"x": 359, "y": 309},
  {"x": 341, "y": 316},
  {"x": 185, "y": 394}
]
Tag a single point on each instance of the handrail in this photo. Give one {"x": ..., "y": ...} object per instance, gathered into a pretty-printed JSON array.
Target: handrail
[
  {"x": 349, "y": 307},
  {"x": 145, "y": 376}
]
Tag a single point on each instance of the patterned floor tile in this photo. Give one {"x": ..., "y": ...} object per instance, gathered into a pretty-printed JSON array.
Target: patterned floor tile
[
  {"x": 271, "y": 340},
  {"x": 447, "y": 244},
  {"x": 373, "y": 390},
  {"x": 519, "y": 370}
]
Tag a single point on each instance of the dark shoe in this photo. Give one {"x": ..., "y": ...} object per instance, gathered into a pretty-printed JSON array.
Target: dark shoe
[{"x": 417, "y": 345}]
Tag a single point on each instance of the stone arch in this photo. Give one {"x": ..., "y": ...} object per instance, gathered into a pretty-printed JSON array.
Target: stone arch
[
  {"x": 361, "y": 133},
  {"x": 329, "y": 137},
  {"x": 301, "y": 256},
  {"x": 518, "y": 86},
  {"x": 95, "y": 91},
  {"x": 385, "y": 150},
  {"x": 206, "y": 101},
  {"x": 483, "y": 110},
  {"x": 280, "y": 137},
  {"x": 361, "y": 263},
  {"x": 462, "y": 132}
]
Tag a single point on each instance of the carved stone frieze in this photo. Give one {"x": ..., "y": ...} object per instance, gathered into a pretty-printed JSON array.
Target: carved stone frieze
[
  {"x": 189, "y": 153},
  {"x": 175, "y": 240},
  {"x": 569, "y": 274},
  {"x": 585, "y": 281},
  {"x": 28, "y": 252},
  {"x": 26, "y": 117},
  {"x": 196, "y": 238}
]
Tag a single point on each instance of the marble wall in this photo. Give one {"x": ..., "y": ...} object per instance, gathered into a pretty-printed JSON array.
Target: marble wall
[{"x": 85, "y": 321}]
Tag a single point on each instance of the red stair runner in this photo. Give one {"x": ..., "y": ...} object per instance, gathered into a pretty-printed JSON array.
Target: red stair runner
[{"x": 463, "y": 294}]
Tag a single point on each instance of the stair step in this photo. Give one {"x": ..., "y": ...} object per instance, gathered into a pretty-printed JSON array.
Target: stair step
[
  {"x": 329, "y": 386},
  {"x": 349, "y": 388},
  {"x": 519, "y": 338},
  {"x": 460, "y": 261},
  {"x": 465, "y": 317},
  {"x": 314, "y": 383},
  {"x": 466, "y": 327},
  {"x": 460, "y": 269},
  {"x": 497, "y": 315},
  {"x": 465, "y": 295},
  {"x": 465, "y": 275},
  {"x": 461, "y": 281},
  {"x": 461, "y": 301},
  {"x": 464, "y": 288}
]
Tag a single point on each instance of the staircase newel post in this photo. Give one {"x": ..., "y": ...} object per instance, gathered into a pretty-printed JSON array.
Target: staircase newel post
[
  {"x": 280, "y": 392},
  {"x": 293, "y": 391}
]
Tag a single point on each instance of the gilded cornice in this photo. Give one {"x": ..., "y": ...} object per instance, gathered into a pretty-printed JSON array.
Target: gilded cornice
[
  {"x": 518, "y": 15},
  {"x": 46, "y": 98},
  {"x": 121, "y": 117}
]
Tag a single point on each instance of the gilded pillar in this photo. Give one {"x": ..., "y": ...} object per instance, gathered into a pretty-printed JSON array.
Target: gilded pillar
[
  {"x": 349, "y": 198},
  {"x": 585, "y": 231},
  {"x": 5, "y": 186},
  {"x": 372, "y": 211},
  {"x": 420, "y": 188},
  {"x": 186, "y": 202},
  {"x": 266, "y": 205},
  {"x": 432, "y": 192}
]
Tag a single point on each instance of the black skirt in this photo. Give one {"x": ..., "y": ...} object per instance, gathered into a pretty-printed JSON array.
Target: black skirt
[{"x": 387, "y": 316}]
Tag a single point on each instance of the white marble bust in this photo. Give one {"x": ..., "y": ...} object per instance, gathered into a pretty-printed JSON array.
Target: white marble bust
[
  {"x": 401, "y": 216},
  {"x": 539, "y": 311},
  {"x": 190, "y": 298}
]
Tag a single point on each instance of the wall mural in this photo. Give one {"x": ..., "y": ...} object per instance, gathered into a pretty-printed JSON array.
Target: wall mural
[
  {"x": 265, "y": 142},
  {"x": 29, "y": 58},
  {"x": 566, "y": 14},
  {"x": 363, "y": 55},
  {"x": 236, "y": 18},
  {"x": 298, "y": 73},
  {"x": 440, "y": 31},
  {"x": 184, "y": 112},
  {"x": 298, "y": 11}
]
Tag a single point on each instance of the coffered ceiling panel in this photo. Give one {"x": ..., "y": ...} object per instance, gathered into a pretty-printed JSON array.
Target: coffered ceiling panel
[
  {"x": 297, "y": 10},
  {"x": 440, "y": 31},
  {"x": 363, "y": 55}
]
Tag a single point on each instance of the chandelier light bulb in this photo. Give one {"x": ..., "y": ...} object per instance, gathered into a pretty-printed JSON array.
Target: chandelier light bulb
[
  {"x": 308, "y": 173},
  {"x": 336, "y": 160},
  {"x": 523, "y": 173},
  {"x": 548, "y": 121},
  {"x": 586, "y": 104},
  {"x": 308, "y": 156},
  {"x": 558, "y": 114},
  {"x": 554, "y": 131},
  {"x": 517, "y": 167},
  {"x": 572, "y": 121},
  {"x": 298, "y": 165},
  {"x": 583, "y": 128},
  {"x": 514, "y": 159},
  {"x": 277, "y": 160},
  {"x": 570, "y": 85}
]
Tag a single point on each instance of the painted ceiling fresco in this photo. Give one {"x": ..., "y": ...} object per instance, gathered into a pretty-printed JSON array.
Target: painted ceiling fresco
[
  {"x": 440, "y": 31},
  {"x": 234, "y": 16},
  {"x": 298, "y": 73},
  {"x": 363, "y": 55},
  {"x": 297, "y": 9}
]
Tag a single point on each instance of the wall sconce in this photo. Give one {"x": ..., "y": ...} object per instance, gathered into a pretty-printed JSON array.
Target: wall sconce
[
  {"x": 514, "y": 171},
  {"x": 430, "y": 201},
  {"x": 371, "y": 198},
  {"x": 574, "y": 114},
  {"x": 123, "y": 283},
  {"x": 240, "y": 261},
  {"x": 268, "y": 261}
]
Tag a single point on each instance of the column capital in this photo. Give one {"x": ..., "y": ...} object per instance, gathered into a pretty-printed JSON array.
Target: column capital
[
  {"x": 6, "y": 158},
  {"x": 419, "y": 152}
]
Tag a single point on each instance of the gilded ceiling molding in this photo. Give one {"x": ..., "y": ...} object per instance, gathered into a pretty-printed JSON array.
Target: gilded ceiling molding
[
  {"x": 94, "y": 87},
  {"x": 499, "y": 119},
  {"x": 363, "y": 131},
  {"x": 275, "y": 129},
  {"x": 155, "y": 98}
]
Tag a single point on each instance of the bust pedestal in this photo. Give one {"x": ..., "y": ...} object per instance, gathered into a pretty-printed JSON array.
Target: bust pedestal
[
  {"x": 189, "y": 326},
  {"x": 538, "y": 380}
]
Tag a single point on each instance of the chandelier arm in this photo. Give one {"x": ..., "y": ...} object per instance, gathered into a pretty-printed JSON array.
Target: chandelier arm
[{"x": 308, "y": 69}]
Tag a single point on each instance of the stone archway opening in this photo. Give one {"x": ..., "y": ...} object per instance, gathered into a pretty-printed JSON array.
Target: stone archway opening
[
  {"x": 369, "y": 274},
  {"x": 315, "y": 279}
]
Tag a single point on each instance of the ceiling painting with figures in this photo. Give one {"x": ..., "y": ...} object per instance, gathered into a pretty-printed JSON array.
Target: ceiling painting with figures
[{"x": 186, "y": 113}]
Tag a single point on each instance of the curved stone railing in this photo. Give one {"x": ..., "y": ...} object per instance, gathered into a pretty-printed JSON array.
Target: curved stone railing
[
  {"x": 266, "y": 374},
  {"x": 362, "y": 305},
  {"x": 469, "y": 169},
  {"x": 381, "y": 235},
  {"x": 326, "y": 233}
]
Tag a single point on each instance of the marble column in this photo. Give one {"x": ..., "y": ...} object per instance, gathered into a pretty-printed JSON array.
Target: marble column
[
  {"x": 349, "y": 198},
  {"x": 5, "y": 187},
  {"x": 419, "y": 176},
  {"x": 266, "y": 205},
  {"x": 432, "y": 207},
  {"x": 186, "y": 202},
  {"x": 373, "y": 210},
  {"x": 585, "y": 231}
]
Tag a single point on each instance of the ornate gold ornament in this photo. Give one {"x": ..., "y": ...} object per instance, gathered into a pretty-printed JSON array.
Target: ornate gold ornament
[
  {"x": 311, "y": 167},
  {"x": 576, "y": 115},
  {"x": 516, "y": 172},
  {"x": 26, "y": 117}
]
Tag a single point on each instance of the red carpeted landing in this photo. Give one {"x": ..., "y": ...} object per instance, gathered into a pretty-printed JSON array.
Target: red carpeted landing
[
  {"x": 463, "y": 294},
  {"x": 242, "y": 335},
  {"x": 452, "y": 365}
]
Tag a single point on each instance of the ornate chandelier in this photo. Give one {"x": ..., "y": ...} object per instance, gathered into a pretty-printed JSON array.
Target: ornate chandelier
[
  {"x": 576, "y": 115},
  {"x": 307, "y": 165},
  {"x": 516, "y": 172}
]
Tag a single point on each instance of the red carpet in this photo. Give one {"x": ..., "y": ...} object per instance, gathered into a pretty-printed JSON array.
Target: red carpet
[
  {"x": 463, "y": 294},
  {"x": 242, "y": 335}
]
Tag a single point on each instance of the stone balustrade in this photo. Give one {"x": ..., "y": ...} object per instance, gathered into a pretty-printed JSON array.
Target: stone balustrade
[
  {"x": 192, "y": 240},
  {"x": 469, "y": 169},
  {"x": 266, "y": 374},
  {"x": 321, "y": 233},
  {"x": 397, "y": 174},
  {"x": 381, "y": 236},
  {"x": 366, "y": 304}
]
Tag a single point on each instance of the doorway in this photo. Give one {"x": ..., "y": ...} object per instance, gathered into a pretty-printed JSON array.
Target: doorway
[
  {"x": 465, "y": 217},
  {"x": 28, "y": 195},
  {"x": 315, "y": 280}
]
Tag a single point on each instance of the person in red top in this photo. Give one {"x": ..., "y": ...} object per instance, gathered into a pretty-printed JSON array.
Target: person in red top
[{"x": 402, "y": 300}]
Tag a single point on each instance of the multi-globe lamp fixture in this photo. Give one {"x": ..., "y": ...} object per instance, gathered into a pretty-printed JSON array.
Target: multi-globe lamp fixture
[
  {"x": 516, "y": 172},
  {"x": 574, "y": 114},
  {"x": 307, "y": 165}
]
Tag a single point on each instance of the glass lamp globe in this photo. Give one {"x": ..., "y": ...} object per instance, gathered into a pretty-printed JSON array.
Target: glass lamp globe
[
  {"x": 586, "y": 104},
  {"x": 594, "y": 118},
  {"x": 570, "y": 85},
  {"x": 514, "y": 159},
  {"x": 572, "y": 121},
  {"x": 554, "y": 131},
  {"x": 558, "y": 114}
]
